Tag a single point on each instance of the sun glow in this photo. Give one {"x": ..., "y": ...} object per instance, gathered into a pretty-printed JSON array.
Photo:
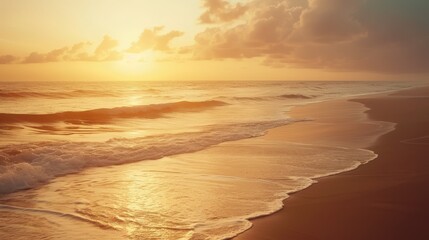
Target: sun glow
[
  {"x": 134, "y": 64},
  {"x": 131, "y": 58}
]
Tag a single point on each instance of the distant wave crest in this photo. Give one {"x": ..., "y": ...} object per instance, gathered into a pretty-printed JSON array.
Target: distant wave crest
[
  {"x": 295, "y": 96},
  {"x": 107, "y": 114},
  {"x": 59, "y": 95},
  {"x": 269, "y": 98}
]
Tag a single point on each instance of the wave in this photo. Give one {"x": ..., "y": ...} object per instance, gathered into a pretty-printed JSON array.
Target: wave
[
  {"x": 60, "y": 95},
  {"x": 105, "y": 115},
  {"x": 55, "y": 213},
  {"x": 295, "y": 96},
  {"x": 27, "y": 165},
  {"x": 269, "y": 98}
]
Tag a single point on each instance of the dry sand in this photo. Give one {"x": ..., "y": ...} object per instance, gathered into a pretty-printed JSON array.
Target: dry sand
[{"x": 386, "y": 199}]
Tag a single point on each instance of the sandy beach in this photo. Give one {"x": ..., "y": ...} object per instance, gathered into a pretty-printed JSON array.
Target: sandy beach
[{"x": 383, "y": 199}]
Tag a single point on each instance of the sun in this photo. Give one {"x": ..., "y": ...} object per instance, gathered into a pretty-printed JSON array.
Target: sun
[
  {"x": 134, "y": 64},
  {"x": 131, "y": 58}
]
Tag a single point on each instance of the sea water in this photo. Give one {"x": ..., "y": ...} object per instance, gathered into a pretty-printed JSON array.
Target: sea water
[{"x": 149, "y": 160}]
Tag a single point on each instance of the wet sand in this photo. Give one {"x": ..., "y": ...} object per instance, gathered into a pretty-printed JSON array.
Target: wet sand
[{"x": 384, "y": 199}]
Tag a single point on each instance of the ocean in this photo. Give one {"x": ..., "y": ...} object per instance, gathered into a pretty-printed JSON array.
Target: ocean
[{"x": 141, "y": 160}]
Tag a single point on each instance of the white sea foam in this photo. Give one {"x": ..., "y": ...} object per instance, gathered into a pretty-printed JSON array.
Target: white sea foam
[{"x": 28, "y": 165}]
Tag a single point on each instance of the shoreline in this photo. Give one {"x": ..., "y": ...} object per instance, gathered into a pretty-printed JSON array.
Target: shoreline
[
  {"x": 271, "y": 147},
  {"x": 338, "y": 126},
  {"x": 330, "y": 198}
]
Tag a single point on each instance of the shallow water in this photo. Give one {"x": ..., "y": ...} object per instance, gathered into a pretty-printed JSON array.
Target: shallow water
[{"x": 205, "y": 195}]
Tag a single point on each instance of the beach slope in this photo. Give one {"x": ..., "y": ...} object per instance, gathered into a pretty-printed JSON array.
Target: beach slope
[{"x": 384, "y": 199}]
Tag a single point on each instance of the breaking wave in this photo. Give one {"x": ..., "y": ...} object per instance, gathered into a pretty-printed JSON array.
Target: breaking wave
[
  {"x": 107, "y": 114},
  {"x": 27, "y": 165}
]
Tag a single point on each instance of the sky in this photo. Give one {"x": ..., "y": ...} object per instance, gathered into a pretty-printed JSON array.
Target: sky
[{"x": 140, "y": 40}]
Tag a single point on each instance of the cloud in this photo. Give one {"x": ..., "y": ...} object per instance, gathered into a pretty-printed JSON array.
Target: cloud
[
  {"x": 380, "y": 35},
  {"x": 7, "y": 59},
  {"x": 368, "y": 35},
  {"x": 330, "y": 21},
  {"x": 105, "y": 51},
  {"x": 78, "y": 52},
  {"x": 340, "y": 35},
  {"x": 154, "y": 39},
  {"x": 78, "y": 47},
  {"x": 265, "y": 32},
  {"x": 221, "y": 11},
  {"x": 52, "y": 56}
]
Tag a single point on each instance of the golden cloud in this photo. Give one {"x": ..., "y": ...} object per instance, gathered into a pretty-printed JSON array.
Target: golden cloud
[
  {"x": 106, "y": 50},
  {"x": 154, "y": 39},
  {"x": 368, "y": 35},
  {"x": 221, "y": 11},
  {"x": 7, "y": 59}
]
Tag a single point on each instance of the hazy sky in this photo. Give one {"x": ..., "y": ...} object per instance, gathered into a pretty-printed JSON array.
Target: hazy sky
[{"x": 214, "y": 39}]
